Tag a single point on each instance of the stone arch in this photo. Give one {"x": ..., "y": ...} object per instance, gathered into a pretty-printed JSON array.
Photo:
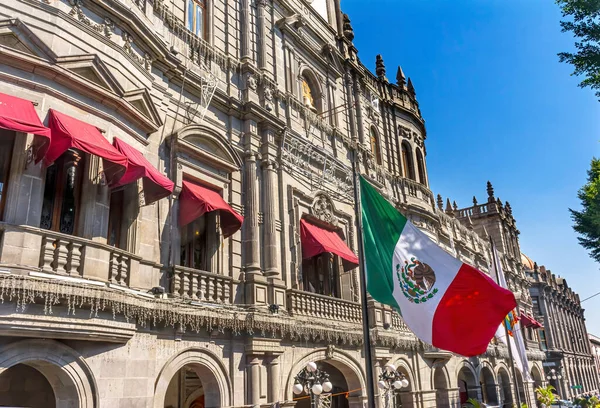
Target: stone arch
[
  {"x": 406, "y": 395},
  {"x": 308, "y": 75},
  {"x": 536, "y": 375},
  {"x": 210, "y": 142},
  {"x": 440, "y": 382},
  {"x": 466, "y": 379},
  {"x": 346, "y": 364},
  {"x": 67, "y": 372},
  {"x": 210, "y": 369},
  {"x": 487, "y": 382},
  {"x": 408, "y": 165},
  {"x": 504, "y": 385},
  {"x": 421, "y": 167}
]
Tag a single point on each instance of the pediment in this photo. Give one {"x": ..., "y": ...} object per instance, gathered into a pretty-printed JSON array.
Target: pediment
[
  {"x": 14, "y": 34},
  {"x": 92, "y": 69},
  {"x": 141, "y": 100}
]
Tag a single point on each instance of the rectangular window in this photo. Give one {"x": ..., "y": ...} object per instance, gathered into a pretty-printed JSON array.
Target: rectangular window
[
  {"x": 194, "y": 245},
  {"x": 62, "y": 193},
  {"x": 196, "y": 15},
  {"x": 543, "y": 343},
  {"x": 7, "y": 141},
  {"x": 320, "y": 275},
  {"x": 536, "y": 305},
  {"x": 115, "y": 218}
]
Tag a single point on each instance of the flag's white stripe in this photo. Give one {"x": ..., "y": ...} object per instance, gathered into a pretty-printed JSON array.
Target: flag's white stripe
[{"x": 415, "y": 244}]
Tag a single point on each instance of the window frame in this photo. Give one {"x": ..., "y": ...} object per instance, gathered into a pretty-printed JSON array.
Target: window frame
[
  {"x": 7, "y": 163},
  {"x": 58, "y": 199},
  {"x": 115, "y": 218},
  {"x": 374, "y": 137},
  {"x": 192, "y": 25}
]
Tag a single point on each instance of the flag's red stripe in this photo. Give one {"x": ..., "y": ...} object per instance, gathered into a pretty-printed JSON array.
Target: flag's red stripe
[{"x": 470, "y": 312}]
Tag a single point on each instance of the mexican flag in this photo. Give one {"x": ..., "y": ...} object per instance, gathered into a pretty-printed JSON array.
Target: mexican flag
[{"x": 445, "y": 302}]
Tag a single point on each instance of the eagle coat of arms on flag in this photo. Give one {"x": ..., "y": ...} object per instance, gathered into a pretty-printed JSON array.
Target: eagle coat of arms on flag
[{"x": 417, "y": 280}]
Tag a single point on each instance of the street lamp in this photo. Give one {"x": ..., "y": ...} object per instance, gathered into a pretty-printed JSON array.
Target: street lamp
[
  {"x": 391, "y": 380},
  {"x": 312, "y": 381}
]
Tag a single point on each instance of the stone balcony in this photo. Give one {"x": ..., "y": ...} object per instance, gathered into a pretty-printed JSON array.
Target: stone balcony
[
  {"x": 26, "y": 250},
  {"x": 201, "y": 286},
  {"x": 307, "y": 304}
]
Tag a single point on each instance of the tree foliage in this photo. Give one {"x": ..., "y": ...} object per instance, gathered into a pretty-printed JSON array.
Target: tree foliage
[
  {"x": 587, "y": 221},
  {"x": 584, "y": 22},
  {"x": 545, "y": 395}
]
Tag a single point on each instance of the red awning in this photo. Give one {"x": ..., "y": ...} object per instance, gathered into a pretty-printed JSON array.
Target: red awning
[
  {"x": 196, "y": 200},
  {"x": 68, "y": 132},
  {"x": 317, "y": 240},
  {"x": 156, "y": 185},
  {"x": 19, "y": 115},
  {"x": 528, "y": 321}
]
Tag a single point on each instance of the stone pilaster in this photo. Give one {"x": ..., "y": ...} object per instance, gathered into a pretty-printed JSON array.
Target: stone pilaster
[
  {"x": 273, "y": 379},
  {"x": 246, "y": 33},
  {"x": 262, "y": 6},
  {"x": 253, "y": 370},
  {"x": 251, "y": 230},
  {"x": 270, "y": 201}
]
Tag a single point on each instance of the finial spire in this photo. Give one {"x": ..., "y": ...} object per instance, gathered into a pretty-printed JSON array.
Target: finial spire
[
  {"x": 379, "y": 67},
  {"x": 400, "y": 78},
  {"x": 490, "y": 192},
  {"x": 454, "y": 206},
  {"x": 440, "y": 202},
  {"x": 411, "y": 88},
  {"x": 347, "y": 27},
  {"x": 449, "y": 207},
  {"x": 474, "y": 200}
]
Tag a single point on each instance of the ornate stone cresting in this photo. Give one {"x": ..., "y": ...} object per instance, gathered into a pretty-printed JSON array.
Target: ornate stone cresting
[
  {"x": 107, "y": 28},
  {"x": 348, "y": 30},
  {"x": 323, "y": 209}
]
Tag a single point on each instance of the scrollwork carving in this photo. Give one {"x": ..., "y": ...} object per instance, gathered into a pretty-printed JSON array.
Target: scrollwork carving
[
  {"x": 323, "y": 210},
  {"x": 106, "y": 28}
]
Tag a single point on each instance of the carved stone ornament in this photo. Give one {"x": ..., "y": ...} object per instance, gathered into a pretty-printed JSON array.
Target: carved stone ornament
[
  {"x": 404, "y": 132},
  {"x": 106, "y": 28},
  {"x": 348, "y": 30},
  {"x": 330, "y": 352},
  {"x": 252, "y": 82},
  {"x": 144, "y": 60},
  {"x": 323, "y": 210},
  {"x": 268, "y": 94}
]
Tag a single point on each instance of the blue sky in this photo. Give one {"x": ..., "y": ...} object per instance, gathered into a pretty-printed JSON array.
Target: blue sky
[{"x": 498, "y": 106}]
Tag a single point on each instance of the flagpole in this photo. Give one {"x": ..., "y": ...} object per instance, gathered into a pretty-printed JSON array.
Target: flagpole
[
  {"x": 510, "y": 354},
  {"x": 363, "y": 287}
]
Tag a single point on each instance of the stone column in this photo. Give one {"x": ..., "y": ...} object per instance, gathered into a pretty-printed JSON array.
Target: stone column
[
  {"x": 262, "y": 33},
  {"x": 246, "y": 33},
  {"x": 253, "y": 370},
  {"x": 251, "y": 231},
  {"x": 213, "y": 242},
  {"x": 359, "y": 116},
  {"x": 273, "y": 379},
  {"x": 270, "y": 206}
]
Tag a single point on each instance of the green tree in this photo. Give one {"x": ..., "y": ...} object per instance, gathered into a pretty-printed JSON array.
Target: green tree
[
  {"x": 587, "y": 221},
  {"x": 545, "y": 395},
  {"x": 584, "y": 22}
]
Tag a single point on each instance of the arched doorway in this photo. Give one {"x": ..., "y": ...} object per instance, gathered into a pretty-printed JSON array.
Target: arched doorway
[
  {"x": 56, "y": 376},
  {"x": 24, "y": 386},
  {"x": 521, "y": 388},
  {"x": 488, "y": 386},
  {"x": 440, "y": 384},
  {"x": 467, "y": 385},
  {"x": 537, "y": 380},
  {"x": 337, "y": 397},
  {"x": 195, "y": 378},
  {"x": 404, "y": 397},
  {"x": 504, "y": 385}
]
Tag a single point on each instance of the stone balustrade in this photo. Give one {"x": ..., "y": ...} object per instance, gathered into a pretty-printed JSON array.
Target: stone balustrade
[
  {"x": 418, "y": 191},
  {"x": 27, "y": 249},
  {"x": 201, "y": 285},
  {"x": 398, "y": 323},
  {"x": 62, "y": 254},
  {"x": 326, "y": 307}
]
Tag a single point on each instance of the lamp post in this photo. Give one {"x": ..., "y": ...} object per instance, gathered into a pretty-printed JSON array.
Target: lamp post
[
  {"x": 556, "y": 376},
  {"x": 312, "y": 381},
  {"x": 391, "y": 380}
]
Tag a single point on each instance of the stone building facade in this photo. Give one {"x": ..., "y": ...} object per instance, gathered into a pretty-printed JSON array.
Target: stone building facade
[
  {"x": 564, "y": 337},
  {"x": 595, "y": 346},
  {"x": 187, "y": 286}
]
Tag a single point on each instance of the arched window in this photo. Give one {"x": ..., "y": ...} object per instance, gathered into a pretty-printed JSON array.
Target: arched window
[
  {"x": 421, "y": 167},
  {"x": 310, "y": 92},
  {"x": 375, "y": 146},
  {"x": 407, "y": 161}
]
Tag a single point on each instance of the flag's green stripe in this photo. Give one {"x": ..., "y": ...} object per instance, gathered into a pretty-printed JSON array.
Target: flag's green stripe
[{"x": 382, "y": 226}]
